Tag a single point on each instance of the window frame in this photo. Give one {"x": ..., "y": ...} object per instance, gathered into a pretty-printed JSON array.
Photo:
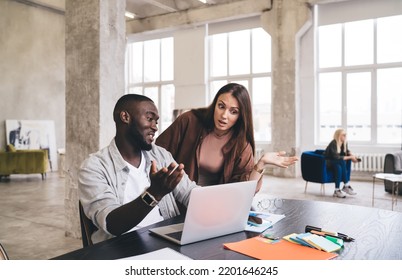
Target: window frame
[
  {"x": 239, "y": 77},
  {"x": 345, "y": 70},
  {"x": 132, "y": 87}
]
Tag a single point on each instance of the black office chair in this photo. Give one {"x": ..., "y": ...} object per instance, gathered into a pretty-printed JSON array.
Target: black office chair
[
  {"x": 87, "y": 227},
  {"x": 3, "y": 254}
]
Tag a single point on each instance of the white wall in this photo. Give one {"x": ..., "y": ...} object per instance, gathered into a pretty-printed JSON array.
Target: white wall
[
  {"x": 190, "y": 75},
  {"x": 31, "y": 66},
  {"x": 307, "y": 91}
]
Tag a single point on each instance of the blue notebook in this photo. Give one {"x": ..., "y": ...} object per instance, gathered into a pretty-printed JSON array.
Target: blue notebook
[{"x": 298, "y": 238}]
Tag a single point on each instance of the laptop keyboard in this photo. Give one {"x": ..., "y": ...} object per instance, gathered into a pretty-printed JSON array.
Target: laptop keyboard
[{"x": 175, "y": 235}]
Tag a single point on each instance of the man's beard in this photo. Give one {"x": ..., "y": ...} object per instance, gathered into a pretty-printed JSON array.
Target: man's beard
[{"x": 138, "y": 139}]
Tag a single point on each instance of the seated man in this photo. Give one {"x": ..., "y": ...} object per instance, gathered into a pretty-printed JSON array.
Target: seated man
[{"x": 132, "y": 182}]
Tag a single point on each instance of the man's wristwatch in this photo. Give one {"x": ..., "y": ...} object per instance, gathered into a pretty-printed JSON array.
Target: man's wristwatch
[{"x": 149, "y": 199}]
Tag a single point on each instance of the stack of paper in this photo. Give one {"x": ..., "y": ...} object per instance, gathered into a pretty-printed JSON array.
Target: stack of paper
[{"x": 161, "y": 254}]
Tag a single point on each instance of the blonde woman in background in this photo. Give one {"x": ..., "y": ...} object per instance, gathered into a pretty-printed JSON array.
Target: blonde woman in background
[{"x": 336, "y": 154}]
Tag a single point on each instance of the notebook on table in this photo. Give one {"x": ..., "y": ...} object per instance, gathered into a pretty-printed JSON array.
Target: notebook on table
[{"x": 212, "y": 211}]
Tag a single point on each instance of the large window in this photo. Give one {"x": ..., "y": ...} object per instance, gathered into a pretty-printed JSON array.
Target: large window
[
  {"x": 244, "y": 57},
  {"x": 359, "y": 74},
  {"x": 149, "y": 71}
]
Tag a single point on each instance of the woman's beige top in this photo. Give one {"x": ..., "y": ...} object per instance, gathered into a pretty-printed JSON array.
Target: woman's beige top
[{"x": 211, "y": 159}]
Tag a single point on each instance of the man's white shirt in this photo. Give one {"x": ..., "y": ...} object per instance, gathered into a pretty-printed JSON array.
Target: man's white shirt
[{"x": 137, "y": 183}]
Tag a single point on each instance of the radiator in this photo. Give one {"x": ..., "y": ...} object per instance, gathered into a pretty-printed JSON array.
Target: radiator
[{"x": 369, "y": 163}]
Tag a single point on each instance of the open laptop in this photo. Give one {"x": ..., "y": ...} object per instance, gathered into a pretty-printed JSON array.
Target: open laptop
[{"x": 212, "y": 211}]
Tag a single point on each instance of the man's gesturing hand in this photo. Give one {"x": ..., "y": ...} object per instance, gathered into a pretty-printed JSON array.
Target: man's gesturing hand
[{"x": 163, "y": 181}]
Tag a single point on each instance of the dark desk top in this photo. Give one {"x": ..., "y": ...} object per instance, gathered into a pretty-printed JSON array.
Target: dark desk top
[{"x": 378, "y": 234}]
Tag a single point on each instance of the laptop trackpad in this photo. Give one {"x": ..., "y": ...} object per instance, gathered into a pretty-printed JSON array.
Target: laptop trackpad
[
  {"x": 176, "y": 235},
  {"x": 169, "y": 229}
]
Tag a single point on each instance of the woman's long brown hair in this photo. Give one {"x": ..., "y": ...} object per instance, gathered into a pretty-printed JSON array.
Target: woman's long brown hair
[{"x": 243, "y": 130}]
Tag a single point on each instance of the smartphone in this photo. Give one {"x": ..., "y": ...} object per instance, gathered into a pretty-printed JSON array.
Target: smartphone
[{"x": 173, "y": 170}]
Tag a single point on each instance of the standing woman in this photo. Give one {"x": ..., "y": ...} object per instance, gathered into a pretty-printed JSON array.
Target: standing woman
[
  {"x": 216, "y": 144},
  {"x": 336, "y": 154}
]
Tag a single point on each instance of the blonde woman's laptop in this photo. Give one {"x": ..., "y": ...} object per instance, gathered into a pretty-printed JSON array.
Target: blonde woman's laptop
[{"x": 212, "y": 211}]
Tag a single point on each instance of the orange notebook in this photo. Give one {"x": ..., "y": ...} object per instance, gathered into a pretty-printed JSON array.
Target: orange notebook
[{"x": 265, "y": 249}]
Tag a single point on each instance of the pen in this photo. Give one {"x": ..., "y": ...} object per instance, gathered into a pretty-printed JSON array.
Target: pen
[
  {"x": 321, "y": 231},
  {"x": 346, "y": 239},
  {"x": 310, "y": 228}
]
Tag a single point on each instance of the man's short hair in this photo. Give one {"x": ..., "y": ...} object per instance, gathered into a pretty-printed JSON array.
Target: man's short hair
[{"x": 126, "y": 99}]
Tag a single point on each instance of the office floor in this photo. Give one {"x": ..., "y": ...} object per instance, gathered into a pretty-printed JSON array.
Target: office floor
[{"x": 32, "y": 211}]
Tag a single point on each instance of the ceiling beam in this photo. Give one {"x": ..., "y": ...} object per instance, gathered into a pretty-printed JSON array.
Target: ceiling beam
[
  {"x": 167, "y": 6},
  {"x": 195, "y": 17},
  {"x": 38, "y": 4}
]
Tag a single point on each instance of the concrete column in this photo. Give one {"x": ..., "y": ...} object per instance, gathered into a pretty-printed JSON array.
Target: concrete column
[
  {"x": 284, "y": 22},
  {"x": 95, "y": 51}
]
